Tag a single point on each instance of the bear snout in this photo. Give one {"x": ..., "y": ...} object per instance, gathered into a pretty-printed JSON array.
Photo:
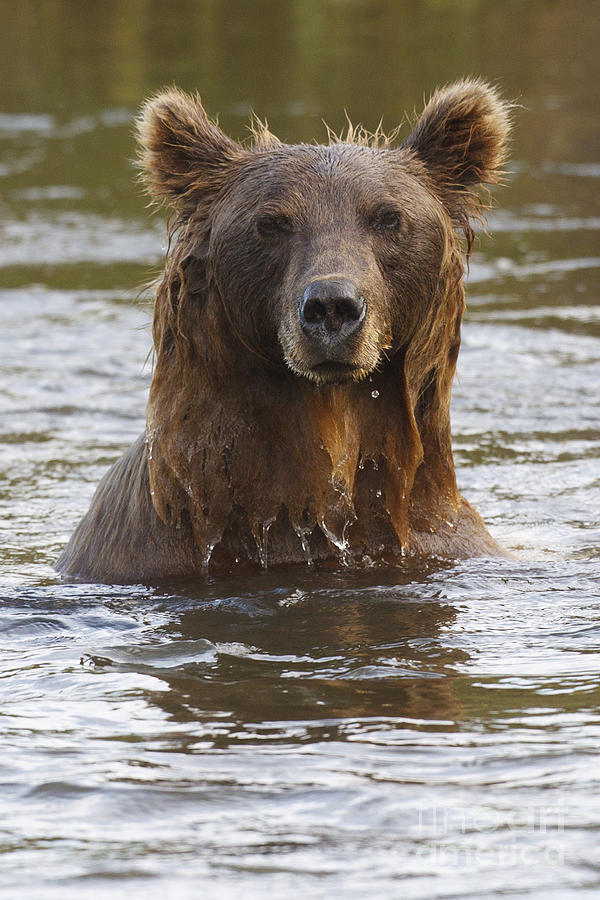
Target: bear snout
[{"x": 330, "y": 311}]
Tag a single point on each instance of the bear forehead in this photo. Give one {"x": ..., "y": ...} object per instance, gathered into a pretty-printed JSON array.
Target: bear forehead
[{"x": 338, "y": 171}]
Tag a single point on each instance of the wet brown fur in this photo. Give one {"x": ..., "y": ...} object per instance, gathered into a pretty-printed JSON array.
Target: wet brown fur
[{"x": 257, "y": 451}]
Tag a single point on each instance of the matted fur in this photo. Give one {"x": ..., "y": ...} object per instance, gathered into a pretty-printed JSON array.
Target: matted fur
[{"x": 257, "y": 451}]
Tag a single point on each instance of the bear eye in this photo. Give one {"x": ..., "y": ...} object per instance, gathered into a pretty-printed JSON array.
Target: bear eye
[
  {"x": 388, "y": 220},
  {"x": 272, "y": 226}
]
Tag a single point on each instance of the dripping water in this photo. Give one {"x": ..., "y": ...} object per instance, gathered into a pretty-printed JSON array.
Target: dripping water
[
  {"x": 260, "y": 532},
  {"x": 304, "y": 533}
]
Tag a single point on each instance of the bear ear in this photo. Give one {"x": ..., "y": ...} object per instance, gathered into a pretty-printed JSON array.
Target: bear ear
[
  {"x": 182, "y": 154},
  {"x": 461, "y": 136}
]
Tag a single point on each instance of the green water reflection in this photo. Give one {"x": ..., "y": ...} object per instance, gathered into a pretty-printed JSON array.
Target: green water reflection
[{"x": 73, "y": 74}]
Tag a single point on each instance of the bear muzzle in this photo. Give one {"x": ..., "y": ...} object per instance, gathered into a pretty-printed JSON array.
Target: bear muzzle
[
  {"x": 332, "y": 334},
  {"x": 331, "y": 312}
]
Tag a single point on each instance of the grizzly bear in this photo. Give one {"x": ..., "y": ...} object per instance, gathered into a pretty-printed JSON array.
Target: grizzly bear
[{"x": 306, "y": 331}]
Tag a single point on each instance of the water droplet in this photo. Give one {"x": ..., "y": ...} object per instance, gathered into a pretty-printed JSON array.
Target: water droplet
[
  {"x": 374, "y": 394},
  {"x": 378, "y": 493}
]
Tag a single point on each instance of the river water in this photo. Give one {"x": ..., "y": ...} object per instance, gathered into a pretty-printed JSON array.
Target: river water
[{"x": 425, "y": 732}]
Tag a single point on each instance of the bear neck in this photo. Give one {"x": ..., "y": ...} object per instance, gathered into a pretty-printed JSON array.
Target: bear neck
[{"x": 364, "y": 466}]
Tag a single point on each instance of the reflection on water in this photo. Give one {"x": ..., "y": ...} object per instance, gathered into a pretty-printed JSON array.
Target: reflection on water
[
  {"x": 423, "y": 732},
  {"x": 337, "y": 732}
]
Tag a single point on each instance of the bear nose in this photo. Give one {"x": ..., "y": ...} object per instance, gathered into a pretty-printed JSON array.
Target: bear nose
[{"x": 332, "y": 308}]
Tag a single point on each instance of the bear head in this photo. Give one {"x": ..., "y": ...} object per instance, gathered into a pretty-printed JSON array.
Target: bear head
[{"x": 326, "y": 258}]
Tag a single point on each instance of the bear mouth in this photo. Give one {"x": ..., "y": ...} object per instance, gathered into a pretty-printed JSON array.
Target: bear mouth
[
  {"x": 329, "y": 365},
  {"x": 334, "y": 371}
]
